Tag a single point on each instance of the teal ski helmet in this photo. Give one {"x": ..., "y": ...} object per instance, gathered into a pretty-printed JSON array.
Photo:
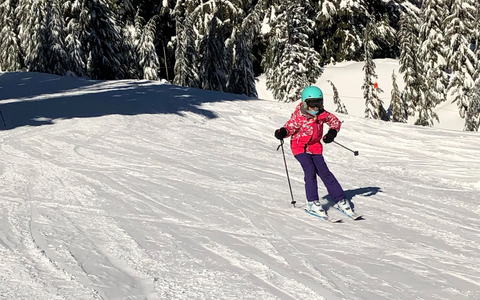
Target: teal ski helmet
[{"x": 312, "y": 92}]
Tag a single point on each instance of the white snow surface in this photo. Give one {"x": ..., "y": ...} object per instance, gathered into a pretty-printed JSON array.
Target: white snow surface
[{"x": 141, "y": 190}]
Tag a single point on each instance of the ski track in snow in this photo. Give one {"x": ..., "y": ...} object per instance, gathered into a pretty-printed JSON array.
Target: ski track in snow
[{"x": 184, "y": 207}]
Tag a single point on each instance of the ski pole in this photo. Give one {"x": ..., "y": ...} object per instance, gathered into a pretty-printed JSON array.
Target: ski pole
[
  {"x": 286, "y": 170},
  {"x": 354, "y": 152}
]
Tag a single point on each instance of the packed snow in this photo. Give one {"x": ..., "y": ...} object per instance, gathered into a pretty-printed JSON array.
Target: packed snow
[{"x": 143, "y": 190}]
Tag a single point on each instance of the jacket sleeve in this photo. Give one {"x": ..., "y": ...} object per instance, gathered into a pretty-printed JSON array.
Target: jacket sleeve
[
  {"x": 293, "y": 125},
  {"x": 333, "y": 122}
]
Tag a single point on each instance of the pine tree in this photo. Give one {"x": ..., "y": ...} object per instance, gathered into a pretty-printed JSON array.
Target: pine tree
[
  {"x": 410, "y": 65},
  {"x": 10, "y": 51},
  {"x": 213, "y": 24},
  {"x": 432, "y": 53},
  {"x": 57, "y": 57},
  {"x": 462, "y": 61},
  {"x": 373, "y": 104},
  {"x": 165, "y": 30},
  {"x": 425, "y": 109},
  {"x": 290, "y": 61},
  {"x": 184, "y": 9},
  {"x": 33, "y": 34},
  {"x": 131, "y": 34},
  {"x": 242, "y": 78},
  {"x": 410, "y": 7},
  {"x": 148, "y": 58},
  {"x": 346, "y": 41},
  {"x": 472, "y": 114},
  {"x": 186, "y": 56},
  {"x": 213, "y": 66},
  {"x": 384, "y": 34},
  {"x": 185, "y": 69},
  {"x": 472, "y": 120},
  {"x": 477, "y": 38},
  {"x": 399, "y": 108},
  {"x": 341, "y": 24},
  {"x": 76, "y": 31},
  {"x": 330, "y": 38},
  {"x": 126, "y": 10},
  {"x": 103, "y": 43},
  {"x": 341, "y": 108}
]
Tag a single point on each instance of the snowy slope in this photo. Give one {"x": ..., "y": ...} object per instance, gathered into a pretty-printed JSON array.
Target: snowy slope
[{"x": 138, "y": 190}]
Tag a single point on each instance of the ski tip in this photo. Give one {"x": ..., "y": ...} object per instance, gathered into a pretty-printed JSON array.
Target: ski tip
[
  {"x": 326, "y": 218},
  {"x": 352, "y": 216}
]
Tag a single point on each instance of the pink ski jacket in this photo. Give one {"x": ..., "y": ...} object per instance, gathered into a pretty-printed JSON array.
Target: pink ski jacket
[{"x": 306, "y": 131}]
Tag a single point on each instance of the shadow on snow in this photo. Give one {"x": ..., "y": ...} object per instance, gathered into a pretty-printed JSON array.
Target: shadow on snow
[
  {"x": 364, "y": 192},
  {"x": 34, "y": 99}
]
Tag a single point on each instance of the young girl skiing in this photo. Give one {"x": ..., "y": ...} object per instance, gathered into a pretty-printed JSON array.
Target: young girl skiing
[{"x": 305, "y": 128}]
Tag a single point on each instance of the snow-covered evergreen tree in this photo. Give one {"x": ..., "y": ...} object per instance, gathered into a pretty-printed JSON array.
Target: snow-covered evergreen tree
[
  {"x": 410, "y": 66},
  {"x": 103, "y": 43},
  {"x": 290, "y": 62},
  {"x": 148, "y": 58},
  {"x": 384, "y": 32},
  {"x": 182, "y": 9},
  {"x": 411, "y": 7},
  {"x": 341, "y": 108},
  {"x": 477, "y": 38},
  {"x": 341, "y": 24},
  {"x": 184, "y": 45},
  {"x": 472, "y": 118},
  {"x": 373, "y": 104},
  {"x": 242, "y": 78},
  {"x": 432, "y": 53},
  {"x": 131, "y": 35},
  {"x": 327, "y": 17},
  {"x": 462, "y": 61},
  {"x": 425, "y": 109},
  {"x": 10, "y": 51},
  {"x": 213, "y": 66},
  {"x": 130, "y": 16},
  {"x": 186, "y": 56},
  {"x": 165, "y": 31},
  {"x": 472, "y": 114},
  {"x": 76, "y": 31},
  {"x": 33, "y": 34},
  {"x": 399, "y": 108},
  {"x": 57, "y": 57},
  {"x": 126, "y": 10},
  {"x": 213, "y": 24}
]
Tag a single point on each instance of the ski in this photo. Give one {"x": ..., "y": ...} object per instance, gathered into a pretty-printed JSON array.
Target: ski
[
  {"x": 326, "y": 218},
  {"x": 354, "y": 216}
]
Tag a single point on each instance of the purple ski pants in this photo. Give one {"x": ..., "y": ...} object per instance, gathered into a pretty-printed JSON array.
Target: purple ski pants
[{"x": 313, "y": 165}]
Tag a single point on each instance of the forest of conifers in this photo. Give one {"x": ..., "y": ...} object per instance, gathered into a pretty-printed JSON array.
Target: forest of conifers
[{"x": 222, "y": 45}]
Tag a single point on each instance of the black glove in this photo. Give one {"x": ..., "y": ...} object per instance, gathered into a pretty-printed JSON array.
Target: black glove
[
  {"x": 330, "y": 136},
  {"x": 281, "y": 133}
]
